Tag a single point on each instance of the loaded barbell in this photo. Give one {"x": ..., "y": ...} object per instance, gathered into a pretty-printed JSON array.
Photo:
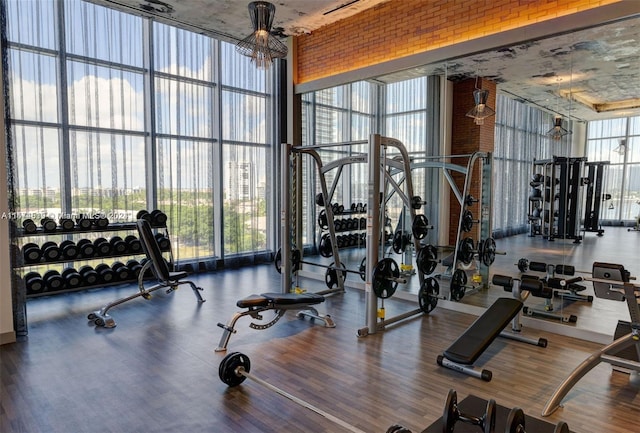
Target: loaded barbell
[
  {"x": 452, "y": 415},
  {"x": 235, "y": 368},
  {"x": 516, "y": 423},
  {"x": 486, "y": 251}
]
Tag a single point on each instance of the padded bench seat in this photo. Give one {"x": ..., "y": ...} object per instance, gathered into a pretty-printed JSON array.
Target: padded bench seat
[
  {"x": 474, "y": 341},
  {"x": 281, "y": 300}
]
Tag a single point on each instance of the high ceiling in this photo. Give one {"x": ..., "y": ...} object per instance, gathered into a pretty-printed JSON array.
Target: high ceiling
[{"x": 589, "y": 74}]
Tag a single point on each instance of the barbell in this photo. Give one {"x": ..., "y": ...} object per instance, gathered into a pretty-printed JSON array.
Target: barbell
[
  {"x": 235, "y": 368},
  {"x": 486, "y": 251}
]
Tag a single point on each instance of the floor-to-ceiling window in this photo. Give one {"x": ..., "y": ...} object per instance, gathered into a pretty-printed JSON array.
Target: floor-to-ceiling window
[
  {"x": 113, "y": 113},
  {"x": 618, "y": 141}
]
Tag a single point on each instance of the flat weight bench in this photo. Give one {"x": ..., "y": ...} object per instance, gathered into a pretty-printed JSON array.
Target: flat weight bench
[
  {"x": 280, "y": 303},
  {"x": 461, "y": 355}
]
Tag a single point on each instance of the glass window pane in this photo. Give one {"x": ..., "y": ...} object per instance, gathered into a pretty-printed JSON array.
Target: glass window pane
[
  {"x": 406, "y": 95},
  {"x": 244, "y": 117},
  {"x": 185, "y": 194},
  {"x": 181, "y": 53},
  {"x": 244, "y": 192},
  {"x": 238, "y": 71},
  {"x": 32, "y": 23},
  {"x": 183, "y": 108},
  {"x": 33, "y": 91},
  {"x": 102, "y": 33},
  {"x": 105, "y": 97}
]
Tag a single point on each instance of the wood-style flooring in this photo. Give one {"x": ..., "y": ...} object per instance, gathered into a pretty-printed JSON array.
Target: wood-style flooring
[{"x": 157, "y": 370}]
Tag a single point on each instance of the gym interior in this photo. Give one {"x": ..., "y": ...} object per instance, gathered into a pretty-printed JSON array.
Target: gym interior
[{"x": 392, "y": 216}]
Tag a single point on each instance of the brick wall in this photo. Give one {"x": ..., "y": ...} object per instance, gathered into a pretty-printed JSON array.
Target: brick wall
[{"x": 399, "y": 28}]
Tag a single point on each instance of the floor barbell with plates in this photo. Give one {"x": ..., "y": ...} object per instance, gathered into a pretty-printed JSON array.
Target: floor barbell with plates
[
  {"x": 451, "y": 415},
  {"x": 386, "y": 277},
  {"x": 458, "y": 285},
  {"x": 235, "y": 368},
  {"x": 427, "y": 259},
  {"x": 486, "y": 251},
  {"x": 516, "y": 423}
]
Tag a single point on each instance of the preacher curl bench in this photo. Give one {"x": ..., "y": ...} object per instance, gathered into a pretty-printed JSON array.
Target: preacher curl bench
[{"x": 280, "y": 303}]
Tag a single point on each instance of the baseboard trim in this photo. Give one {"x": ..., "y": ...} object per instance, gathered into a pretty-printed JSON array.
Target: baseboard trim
[{"x": 7, "y": 337}]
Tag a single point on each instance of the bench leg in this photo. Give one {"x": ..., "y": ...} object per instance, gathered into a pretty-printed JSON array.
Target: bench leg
[
  {"x": 101, "y": 318},
  {"x": 313, "y": 314},
  {"x": 229, "y": 329},
  {"x": 466, "y": 369}
]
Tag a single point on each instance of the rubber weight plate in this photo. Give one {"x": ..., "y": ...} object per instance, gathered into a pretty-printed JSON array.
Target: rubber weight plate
[
  {"x": 228, "y": 366},
  {"x": 428, "y": 295}
]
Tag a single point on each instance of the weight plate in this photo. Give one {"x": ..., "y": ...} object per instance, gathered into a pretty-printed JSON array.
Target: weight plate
[
  {"x": 523, "y": 265},
  {"x": 561, "y": 427},
  {"x": 228, "y": 368},
  {"x": 323, "y": 222},
  {"x": 489, "y": 251},
  {"x": 466, "y": 250},
  {"x": 334, "y": 277},
  {"x": 427, "y": 259},
  {"x": 420, "y": 226},
  {"x": 277, "y": 261},
  {"x": 399, "y": 242},
  {"x": 458, "y": 284},
  {"x": 325, "y": 248},
  {"x": 515, "y": 421},
  {"x": 383, "y": 286},
  {"x": 467, "y": 221},
  {"x": 450, "y": 414},
  {"x": 363, "y": 269},
  {"x": 490, "y": 417},
  {"x": 428, "y": 295}
]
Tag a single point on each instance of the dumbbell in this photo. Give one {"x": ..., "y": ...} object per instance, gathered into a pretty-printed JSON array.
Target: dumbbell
[
  {"x": 118, "y": 246},
  {"x": 89, "y": 275},
  {"x": 48, "y": 225},
  {"x": 163, "y": 242},
  {"x": 133, "y": 244},
  {"x": 144, "y": 215},
  {"x": 84, "y": 222},
  {"x": 451, "y": 415},
  {"x": 69, "y": 249},
  {"x": 134, "y": 268},
  {"x": 120, "y": 271},
  {"x": 33, "y": 282},
  {"x": 105, "y": 273},
  {"x": 158, "y": 218},
  {"x": 67, "y": 224},
  {"x": 31, "y": 253},
  {"x": 86, "y": 248},
  {"x": 337, "y": 225},
  {"x": 72, "y": 278},
  {"x": 101, "y": 222},
  {"x": 103, "y": 248},
  {"x": 50, "y": 251},
  {"x": 53, "y": 280},
  {"x": 516, "y": 423},
  {"x": 398, "y": 429},
  {"x": 29, "y": 226}
]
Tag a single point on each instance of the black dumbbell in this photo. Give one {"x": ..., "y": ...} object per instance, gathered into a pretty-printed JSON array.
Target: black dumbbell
[
  {"x": 29, "y": 226},
  {"x": 69, "y": 249},
  {"x": 84, "y": 222},
  {"x": 396, "y": 428},
  {"x": 158, "y": 218},
  {"x": 33, "y": 282},
  {"x": 72, "y": 278},
  {"x": 50, "y": 251},
  {"x": 31, "y": 253},
  {"x": 516, "y": 423},
  {"x": 144, "y": 215},
  {"x": 118, "y": 246},
  {"x": 53, "y": 280},
  {"x": 48, "y": 225},
  {"x": 101, "y": 222},
  {"x": 134, "y": 267},
  {"x": 133, "y": 244},
  {"x": 89, "y": 275},
  {"x": 67, "y": 224},
  {"x": 121, "y": 271},
  {"x": 86, "y": 248},
  {"x": 451, "y": 415},
  {"x": 105, "y": 273},
  {"x": 163, "y": 242},
  {"x": 103, "y": 248},
  {"x": 337, "y": 225}
]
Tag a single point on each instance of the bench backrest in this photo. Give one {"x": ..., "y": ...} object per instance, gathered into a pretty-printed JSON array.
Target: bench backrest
[{"x": 152, "y": 250}]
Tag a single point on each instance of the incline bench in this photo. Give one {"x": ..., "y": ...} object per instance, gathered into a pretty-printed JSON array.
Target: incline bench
[
  {"x": 280, "y": 302},
  {"x": 461, "y": 355}
]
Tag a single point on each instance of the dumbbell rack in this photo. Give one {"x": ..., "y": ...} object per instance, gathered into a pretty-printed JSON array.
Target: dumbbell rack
[
  {"x": 25, "y": 267},
  {"x": 349, "y": 228}
]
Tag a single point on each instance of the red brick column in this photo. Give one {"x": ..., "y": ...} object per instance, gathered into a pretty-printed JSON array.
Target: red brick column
[{"x": 466, "y": 138}]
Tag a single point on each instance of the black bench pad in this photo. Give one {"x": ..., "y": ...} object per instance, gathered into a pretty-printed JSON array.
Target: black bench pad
[
  {"x": 265, "y": 299},
  {"x": 470, "y": 345}
]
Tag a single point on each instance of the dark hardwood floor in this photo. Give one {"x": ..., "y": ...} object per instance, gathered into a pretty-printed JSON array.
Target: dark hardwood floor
[{"x": 157, "y": 370}]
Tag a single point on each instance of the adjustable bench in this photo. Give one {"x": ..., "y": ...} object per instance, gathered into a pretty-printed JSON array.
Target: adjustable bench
[
  {"x": 461, "y": 355},
  {"x": 280, "y": 303}
]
